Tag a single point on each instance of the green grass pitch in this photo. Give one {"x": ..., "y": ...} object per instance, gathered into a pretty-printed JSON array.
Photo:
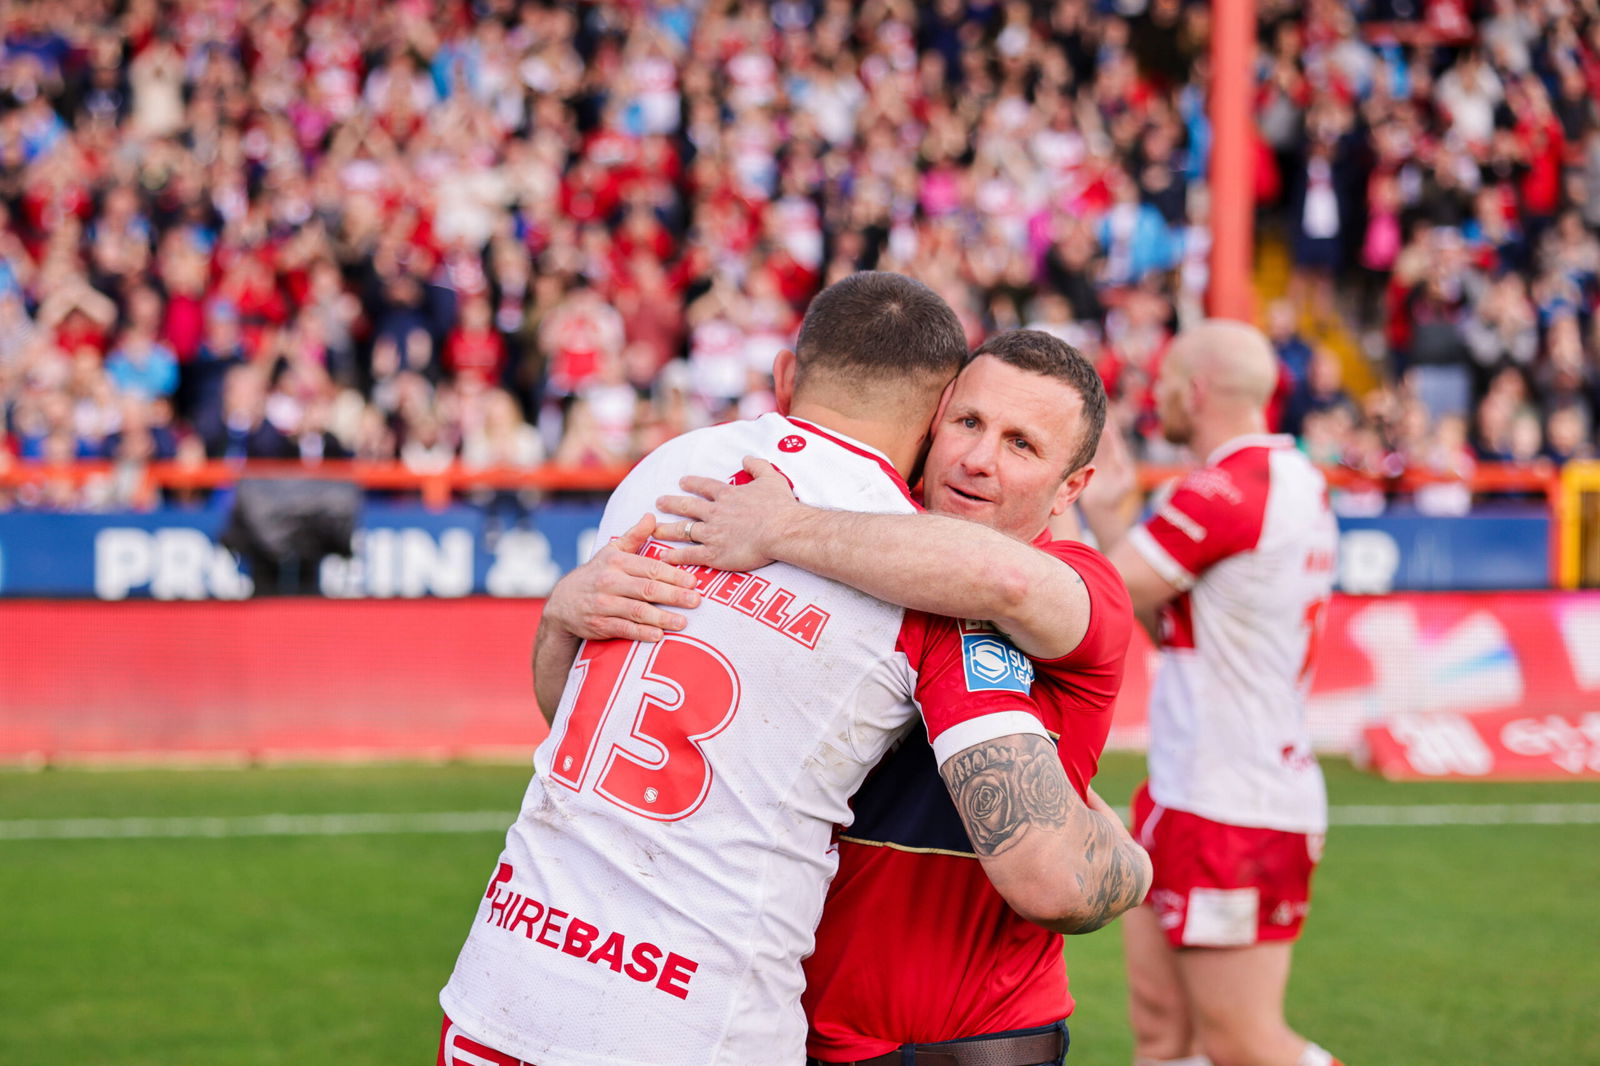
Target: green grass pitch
[{"x": 1442, "y": 944}]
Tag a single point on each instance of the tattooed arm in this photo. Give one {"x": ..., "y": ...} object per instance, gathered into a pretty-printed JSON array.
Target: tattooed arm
[{"x": 1066, "y": 865}]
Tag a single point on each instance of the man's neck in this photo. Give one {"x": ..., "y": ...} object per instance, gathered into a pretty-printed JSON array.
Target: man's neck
[
  {"x": 1208, "y": 439},
  {"x": 888, "y": 438}
]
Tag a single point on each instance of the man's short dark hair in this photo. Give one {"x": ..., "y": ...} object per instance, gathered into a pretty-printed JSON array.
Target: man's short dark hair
[
  {"x": 878, "y": 325},
  {"x": 1038, "y": 352}
]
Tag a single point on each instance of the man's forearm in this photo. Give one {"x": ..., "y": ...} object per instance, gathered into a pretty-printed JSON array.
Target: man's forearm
[
  {"x": 554, "y": 650},
  {"x": 1055, "y": 859},
  {"x": 1116, "y": 872},
  {"x": 945, "y": 566}
]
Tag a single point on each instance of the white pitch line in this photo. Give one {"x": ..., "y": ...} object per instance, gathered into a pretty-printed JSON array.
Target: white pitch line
[
  {"x": 1467, "y": 814},
  {"x": 335, "y": 825},
  {"x": 264, "y": 825}
]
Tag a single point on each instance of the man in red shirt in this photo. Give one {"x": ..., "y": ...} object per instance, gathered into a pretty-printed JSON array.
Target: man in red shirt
[{"x": 899, "y": 965}]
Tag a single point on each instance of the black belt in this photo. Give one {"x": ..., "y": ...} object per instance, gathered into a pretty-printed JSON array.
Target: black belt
[{"x": 1025, "y": 1048}]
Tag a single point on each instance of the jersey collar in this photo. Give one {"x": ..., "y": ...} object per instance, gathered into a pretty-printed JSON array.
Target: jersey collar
[
  {"x": 867, "y": 451},
  {"x": 1249, "y": 440}
]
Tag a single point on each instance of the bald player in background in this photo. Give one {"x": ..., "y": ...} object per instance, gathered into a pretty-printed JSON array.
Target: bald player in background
[{"x": 1230, "y": 575}]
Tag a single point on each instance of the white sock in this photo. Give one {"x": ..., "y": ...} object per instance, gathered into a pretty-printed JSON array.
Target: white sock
[{"x": 1314, "y": 1056}]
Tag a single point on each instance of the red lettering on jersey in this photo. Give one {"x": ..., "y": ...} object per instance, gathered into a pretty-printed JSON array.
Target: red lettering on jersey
[
  {"x": 501, "y": 875},
  {"x": 745, "y": 593},
  {"x": 510, "y": 909},
  {"x": 500, "y": 908},
  {"x": 807, "y": 625},
  {"x": 526, "y": 919},
  {"x": 1215, "y": 482},
  {"x": 610, "y": 952},
  {"x": 792, "y": 443},
  {"x": 551, "y": 924},
  {"x": 675, "y": 969},
  {"x": 672, "y": 784},
  {"x": 772, "y": 614},
  {"x": 580, "y": 937},
  {"x": 643, "y": 967},
  {"x": 1319, "y": 561},
  {"x": 726, "y": 589},
  {"x": 599, "y": 669},
  {"x": 662, "y": 775},
  {"x": 750, "y": 600}
]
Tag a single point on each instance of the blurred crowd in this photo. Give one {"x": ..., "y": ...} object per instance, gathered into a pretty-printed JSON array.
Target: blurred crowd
[{"x": 500, "y": 232}]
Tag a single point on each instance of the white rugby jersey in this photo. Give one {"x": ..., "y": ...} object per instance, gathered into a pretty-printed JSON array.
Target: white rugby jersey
[
  {"x": 664, "y": 879},
  {"x": 1250, "y": 541}
]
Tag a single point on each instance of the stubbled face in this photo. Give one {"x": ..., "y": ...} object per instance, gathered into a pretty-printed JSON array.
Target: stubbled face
[
  {"x": 1172, "y": 386},
  {"x": 1001, "y": 446}
]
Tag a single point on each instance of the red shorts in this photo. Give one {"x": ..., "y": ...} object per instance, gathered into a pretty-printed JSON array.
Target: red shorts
[
  {"x": 458, "y": 1049},
  {"x": 1219, "y": 886}
]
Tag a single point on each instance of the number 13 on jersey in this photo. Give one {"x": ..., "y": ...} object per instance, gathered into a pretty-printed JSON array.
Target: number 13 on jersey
[{"x": 669, "y": 698}]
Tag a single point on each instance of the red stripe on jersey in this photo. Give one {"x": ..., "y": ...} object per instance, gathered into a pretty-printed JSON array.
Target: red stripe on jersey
[
  {"x": 1177, "y": 622},
  {"x": 452, "y": 1040},
  {"x": 894, "y": 475},
  {"x": 1215, "y": 511}
]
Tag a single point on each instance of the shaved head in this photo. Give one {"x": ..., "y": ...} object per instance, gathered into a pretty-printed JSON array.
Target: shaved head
[
  {"x": 1217, "y": 370},
  {"x": 1235, "y": 360}
]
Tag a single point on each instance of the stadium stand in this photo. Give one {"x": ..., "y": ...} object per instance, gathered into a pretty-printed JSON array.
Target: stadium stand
[{"x": 482, "y": 236}]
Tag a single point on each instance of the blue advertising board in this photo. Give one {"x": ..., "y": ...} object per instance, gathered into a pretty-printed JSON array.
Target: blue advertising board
[
  {"x": 1402, "y": 550},
  {"x": 399, "y": 551},
  {"x": 409, "y": 551}
]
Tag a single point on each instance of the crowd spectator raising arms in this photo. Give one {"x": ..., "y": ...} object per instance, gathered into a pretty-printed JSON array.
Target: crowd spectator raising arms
[{"x": 332, "y": 228}]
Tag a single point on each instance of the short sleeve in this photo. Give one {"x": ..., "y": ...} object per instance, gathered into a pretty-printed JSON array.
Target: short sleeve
[
  {"x": 972, "y": 685},
  {"x": 1208, "y": 517},
  {"x": 1078, "y": 691}
]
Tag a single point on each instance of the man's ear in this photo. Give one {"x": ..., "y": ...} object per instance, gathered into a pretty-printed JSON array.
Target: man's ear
[
  {"x": 783, "y": 375},
  {"x": 1071, "y": 489}
]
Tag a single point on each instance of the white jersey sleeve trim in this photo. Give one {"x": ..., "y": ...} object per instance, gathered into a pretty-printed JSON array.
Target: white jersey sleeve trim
[
  {"x": 963, "y": 735},
  {"x": 1172, "y": 572}
]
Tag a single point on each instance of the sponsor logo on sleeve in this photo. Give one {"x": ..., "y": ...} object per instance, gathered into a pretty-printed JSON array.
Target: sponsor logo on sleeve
[
  {"x": 993, "y": 665},
  {"x": 1182, "y": 522}
]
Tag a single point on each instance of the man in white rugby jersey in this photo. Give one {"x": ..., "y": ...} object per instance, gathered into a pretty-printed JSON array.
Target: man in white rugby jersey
[
  {"x": 1230, "y": 575},
  {"x": 665, "y": 876}
]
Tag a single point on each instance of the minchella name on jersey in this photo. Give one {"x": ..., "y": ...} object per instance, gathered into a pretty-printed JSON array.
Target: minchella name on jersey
[{"x": 768, "y": 603}]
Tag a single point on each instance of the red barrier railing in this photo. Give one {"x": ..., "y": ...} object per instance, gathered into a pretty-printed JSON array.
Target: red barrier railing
[
  {"x": 435, "y": 487},
  {"x": 438, "y": 487}
]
